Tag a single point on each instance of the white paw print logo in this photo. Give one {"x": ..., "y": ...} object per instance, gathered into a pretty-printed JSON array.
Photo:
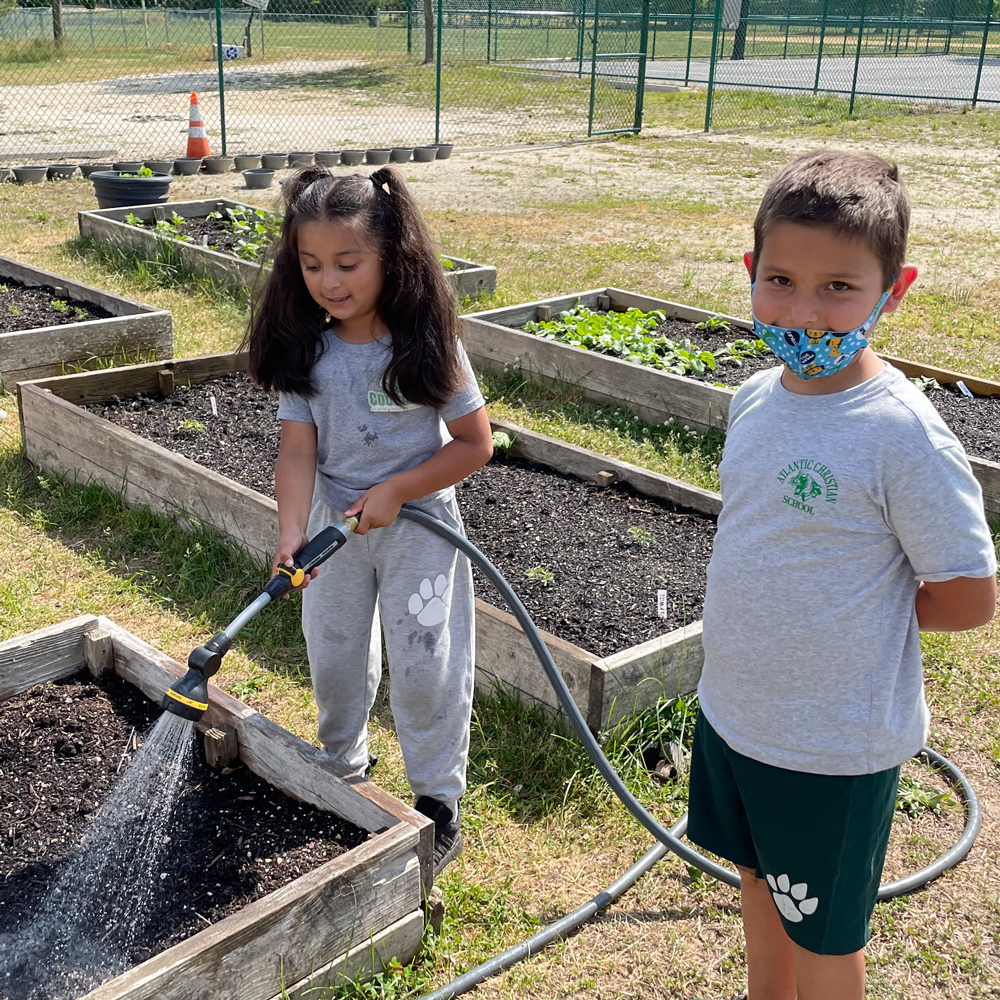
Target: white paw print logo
[
  {"x": 791, "y": 899},
  {"x": 428, "y": 604}
]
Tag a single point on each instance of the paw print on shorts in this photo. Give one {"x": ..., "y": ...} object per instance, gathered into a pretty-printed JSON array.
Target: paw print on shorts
[
  {"x": 791, "y": 899},
  {"x": 428, "y": 604}
]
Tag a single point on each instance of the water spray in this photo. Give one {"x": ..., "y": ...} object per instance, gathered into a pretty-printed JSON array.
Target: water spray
[{"x": 188, "y": 698}]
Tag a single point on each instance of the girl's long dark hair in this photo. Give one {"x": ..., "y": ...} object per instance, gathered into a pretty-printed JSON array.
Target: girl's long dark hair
[{"x": 416, "y": 303}]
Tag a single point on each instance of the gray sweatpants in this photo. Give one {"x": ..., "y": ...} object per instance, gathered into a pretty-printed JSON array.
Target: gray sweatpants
[{"x": 405, "y": 582}]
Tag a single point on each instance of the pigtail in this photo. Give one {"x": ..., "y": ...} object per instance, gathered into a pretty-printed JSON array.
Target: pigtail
[
  {"x": 417, "y": 303},
  {"x": 286, "y": 323}
]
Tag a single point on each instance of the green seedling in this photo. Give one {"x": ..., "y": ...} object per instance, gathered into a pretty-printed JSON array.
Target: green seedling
[
  {"x": 502, "y": 443},
  {"x": 925, "y": 382},
  {"x": 541, "y": 574},
  {"x": 914, "y": 798},
  {"x": 641, "y": 536},
  {"x": 192, "y": 426},
  {"x": 714, "y": 324},
  {"x": 60, "y": 305}
]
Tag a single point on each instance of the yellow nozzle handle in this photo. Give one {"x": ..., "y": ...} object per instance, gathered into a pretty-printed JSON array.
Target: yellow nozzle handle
[
  {"x": 200, "y": 705},
  {"x": 294, "y": 574}
]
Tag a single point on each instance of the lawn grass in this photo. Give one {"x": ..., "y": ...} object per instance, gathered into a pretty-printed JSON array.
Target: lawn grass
[{"x": 661, "y": 215}]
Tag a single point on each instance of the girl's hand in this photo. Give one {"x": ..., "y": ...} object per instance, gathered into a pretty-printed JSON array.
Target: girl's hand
[
  {"x": 376, "y": 508},
  {"x": 287, "y": 547}
]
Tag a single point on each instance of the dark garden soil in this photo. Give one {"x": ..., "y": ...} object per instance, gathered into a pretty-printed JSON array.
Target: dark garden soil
[
  {"x": 237, "y": 837},
  {"x": 24, "y": 307},
  {"x": 975, "y": 422},
  {"x": 220, "y": 235},
  {"x": 588, "y": 562},
  {"x": 603, "y": 591}
]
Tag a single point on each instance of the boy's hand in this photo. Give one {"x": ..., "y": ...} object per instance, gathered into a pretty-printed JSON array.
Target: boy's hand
[
  {"x": 376, "y": 508},
  {"x": 287, "y": 547}
]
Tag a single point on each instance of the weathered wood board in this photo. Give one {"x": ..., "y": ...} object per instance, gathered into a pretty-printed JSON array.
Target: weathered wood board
[
  {"x": 493, "y": 342},
  {"x": 352, "y": 915},
  {"x": 62, "y": 437},
  {"x": 467, "y": 278},
  {"x": 35, "y": 353}
]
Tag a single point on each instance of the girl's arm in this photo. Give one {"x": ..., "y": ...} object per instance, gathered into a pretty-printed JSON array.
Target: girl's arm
[
  {"x": 294, "y": 479},
  {"x": 471, "y": 448}
]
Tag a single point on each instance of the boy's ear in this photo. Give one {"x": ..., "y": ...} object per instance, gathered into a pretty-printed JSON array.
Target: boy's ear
[
  {"x": 748, "y": 261},
  {"x": 907, "y": 275}
]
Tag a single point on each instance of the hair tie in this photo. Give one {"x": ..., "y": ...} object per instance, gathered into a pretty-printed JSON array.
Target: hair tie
[{"x": 384, "y": 185}]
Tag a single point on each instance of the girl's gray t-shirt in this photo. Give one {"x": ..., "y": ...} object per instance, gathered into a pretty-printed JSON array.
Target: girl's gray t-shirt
[
  {"x": 363, "y": 437},
  {"x": 834, "y": 507}
]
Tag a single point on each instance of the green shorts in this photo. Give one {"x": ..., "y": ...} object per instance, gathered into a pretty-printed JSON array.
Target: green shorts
[{"x": 818, "y": 839}]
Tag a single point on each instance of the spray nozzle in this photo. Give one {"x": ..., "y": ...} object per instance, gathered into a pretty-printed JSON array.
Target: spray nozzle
[{"x": 188, "y": 697}]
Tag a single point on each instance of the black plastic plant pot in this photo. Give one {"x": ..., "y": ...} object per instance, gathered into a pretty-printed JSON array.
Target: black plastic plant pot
[
  {"x": 444, "y": 150},
  {"x": 114, "y": 189}
]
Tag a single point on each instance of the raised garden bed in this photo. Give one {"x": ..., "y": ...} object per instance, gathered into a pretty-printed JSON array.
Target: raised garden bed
[
  {"x": 235, "y": 272},
  {"x": 613, "y": 670},
  {"x": 48, "y": 322},
  {"x": 358, "y": 903},
  {"x": 497, "y": 339}
]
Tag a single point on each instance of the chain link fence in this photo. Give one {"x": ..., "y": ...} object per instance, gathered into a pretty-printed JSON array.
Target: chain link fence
[
  {"x": 313, "y": 74},
  {"x": 775, "y": 61}
]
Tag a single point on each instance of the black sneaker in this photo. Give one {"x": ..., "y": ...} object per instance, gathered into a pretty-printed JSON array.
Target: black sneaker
[
  {"x": 447, "y": 833},
  {"x": 372, "y": 761}
]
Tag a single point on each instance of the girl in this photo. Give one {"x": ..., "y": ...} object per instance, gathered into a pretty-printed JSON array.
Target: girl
[{"x": 357, "y": 331}]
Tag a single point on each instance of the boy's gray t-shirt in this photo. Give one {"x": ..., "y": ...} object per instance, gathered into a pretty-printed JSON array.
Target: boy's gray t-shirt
[
  {"x": 362, "y": 436},
  {"x": 833, "y": 508}
]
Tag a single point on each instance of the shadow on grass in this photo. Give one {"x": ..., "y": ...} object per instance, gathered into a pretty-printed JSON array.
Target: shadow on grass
[{"x": 174, "y": 560}]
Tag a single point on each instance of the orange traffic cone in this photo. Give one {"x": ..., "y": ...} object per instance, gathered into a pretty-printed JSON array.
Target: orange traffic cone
[{"x": 197, "y": 139}]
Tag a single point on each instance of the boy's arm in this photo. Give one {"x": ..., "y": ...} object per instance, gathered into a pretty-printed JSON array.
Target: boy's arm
[
  {"x": 935, "y": 509},
  {"x": 956, "y": 605}
]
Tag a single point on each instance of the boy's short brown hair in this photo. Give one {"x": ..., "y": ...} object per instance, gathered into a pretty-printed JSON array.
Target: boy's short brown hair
[{"x": 859, "y": 195}]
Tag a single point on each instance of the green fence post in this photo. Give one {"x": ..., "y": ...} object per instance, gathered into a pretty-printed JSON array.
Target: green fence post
[
  {"x": 711, "y": 66},
  {"x": 489, "y": 30},
  {"x": 656, "y": 12},
  {"x": 409, "y": 25},
  {"x": 593, "y": 69},
  {"x": 640, "y": 83},
  {"x": 822, "y": 35},
  {"x": 687, "y": 68},
  {"x": 788, "y": 26},
  {"x": 982, "y": 54},
  {"x": 857, "y": 57},
  {"x": 222, "y": 80},
  {"x": 437, "y": 83},
  {"x": 579, "y": 38},
  {"x": 951, "y": 28}
]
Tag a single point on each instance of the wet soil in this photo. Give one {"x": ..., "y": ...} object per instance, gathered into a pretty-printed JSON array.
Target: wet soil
[
  {"x": 609, "y": 551},
  {"x": 24, "y": 307},
  {"x": 237, "y": 838}
]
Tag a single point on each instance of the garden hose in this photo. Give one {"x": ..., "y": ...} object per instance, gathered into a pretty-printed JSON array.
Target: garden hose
[
  {"x": 188, "y": 697},
  {"x": 668, "y": 839}
]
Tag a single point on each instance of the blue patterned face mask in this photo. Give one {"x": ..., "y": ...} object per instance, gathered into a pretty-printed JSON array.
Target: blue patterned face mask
[{"x": 816, "y": 353}]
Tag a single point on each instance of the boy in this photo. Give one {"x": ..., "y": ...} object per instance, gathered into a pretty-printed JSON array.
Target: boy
[{"x": 851, "y": 522}]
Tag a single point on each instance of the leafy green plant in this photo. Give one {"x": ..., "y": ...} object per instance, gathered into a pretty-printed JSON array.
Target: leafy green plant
[
  {"x": 502, "y": 443},
  {"x": 80, "y": 313},
  {"x": 133, "y": 220},
  {"x": 14, "y": 311},
  {"x": 541, "y": 574},
  {"x": 631, "y": 335},
  {"x": 192, "y": 426},
  {"x": 141, "y": 172},
  {"x": 714, "y": 324},
  {"x": 925, "y": 382},
  {"x": 446, "y": 262},
  {"x": 641, "y": 536},
  {"x": 913, "y": 798},
  {"x": 60, "y": 305}
]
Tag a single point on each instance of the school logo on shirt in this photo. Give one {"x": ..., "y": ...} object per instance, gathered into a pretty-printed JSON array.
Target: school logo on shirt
[
  {"x": 380, "y": 402},
  {"x": 807, "y": 483}
]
